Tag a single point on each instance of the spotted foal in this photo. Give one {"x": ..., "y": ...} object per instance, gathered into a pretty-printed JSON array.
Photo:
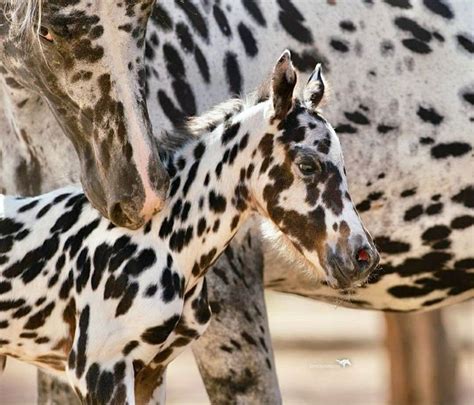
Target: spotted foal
[{"x": 108, "y": 305}]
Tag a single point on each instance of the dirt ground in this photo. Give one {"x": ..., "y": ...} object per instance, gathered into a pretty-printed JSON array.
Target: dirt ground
[{"x": 308, "y": 337}]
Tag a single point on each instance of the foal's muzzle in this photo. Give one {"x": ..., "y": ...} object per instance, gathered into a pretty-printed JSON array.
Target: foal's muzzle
[{"x": 353, "y": 268}]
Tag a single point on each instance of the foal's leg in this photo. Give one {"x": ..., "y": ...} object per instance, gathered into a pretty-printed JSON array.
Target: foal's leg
[
  {"x": 97, "y": 369},
  {"x": 150, "y": 382},
  {"x": 150, "y": 386}
]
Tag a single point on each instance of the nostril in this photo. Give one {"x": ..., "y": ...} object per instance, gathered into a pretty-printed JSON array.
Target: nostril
[
  {"x": 117, "y": 214},
  {"x": 363, "y": 259},
  {"x": 363, "y": 256}
]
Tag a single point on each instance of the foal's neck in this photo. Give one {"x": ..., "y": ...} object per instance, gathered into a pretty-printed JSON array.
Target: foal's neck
[{"x": 210, "y": 194}]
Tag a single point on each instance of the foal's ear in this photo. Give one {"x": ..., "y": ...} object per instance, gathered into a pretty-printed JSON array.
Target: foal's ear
[
  {"x": 313, "y": 92},
  {"x": 283, "y": 84}
]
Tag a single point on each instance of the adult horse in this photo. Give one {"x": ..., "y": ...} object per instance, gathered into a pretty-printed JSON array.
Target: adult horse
[
  {"x": 96, "y": 93},
  {"x": 395, "y": 126}
]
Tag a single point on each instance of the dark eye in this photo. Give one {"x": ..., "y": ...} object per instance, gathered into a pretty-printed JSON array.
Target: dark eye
[
  {"x": 45, "y": 34},
  {"x": 309, "y": 168}
]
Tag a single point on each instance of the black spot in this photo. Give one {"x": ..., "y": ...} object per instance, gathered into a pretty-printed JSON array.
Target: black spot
[
  {"x": 202, "y": 64},
  {"x": 383, "y": 129},
  {"x": 28, "y": 206},
  {"x": 69, "y": 218},
  {"x": 347, "y": 25},
  {"x": 233, "y": 75},
  {"x": 434, "y": 301},
  {"x": 469, "y": 97},
  {"x": 406, "y": 24},
  {"x": 145, "y": 259},
  {"x": 416, "y": 45},
  {"x": 159, "y": 334},
  {"x": 465, "y": 264},
  {"x": 194, "y": 16},
  {"x": 170, "y": 285},
  {"x": 217, "y": 202},
  {"x": 357, "y": 117},
  {"x": 221, "y": 20},
  {"x": 292, "y": 21},
  {"x": 129, "y": 347},
  {"x": 83, "y": 266},
  {"x": 441, "y": 244},
  {"x": 363, "y": 206},
  {"x": 307, "y": 60},
  {"x": 465, "y": 42},
  {"x": 161, "y": 18},
  {"x": 452, "y": 149},
  {"x": 230, "y": 133},
  {"x": 11, "y": 304},
  {"x": 429, "y": 115},
  {"x": 185, "y": 96},
  {"x": 105, "y": 387},
  {"x": 436, "y": 232},
  {"x": 5, "y": 286},
  {"x": 413, "y": 212},
  {"x": 339, "y": 45},
  {"x": 462, "y": 222},
  {"x": 185, "y": 211},
  {"x": 254, "y": 10},
  {"x": 126, "y": 301},
  {"x": 386, "y": 245},
  {"x": 247, "y": 38},
  {"x": 374, "y": 196},
  {"x": 185, "y": 39},
  {"x": 175, "y": 115},
  {"x": 191, "y": 177},
  {"x": 345, "y": 129},
  {"x": 440, "y": 8},
  {"x": 75, "y": 241},
  {"x": 465, "y": 197},
  {"x": 122, "y": 250},
  {"x": 434, "y": 209},
  {"x": 199, "y": 150},
  {"x": 201, "y": 226},
  {"x": 426, "y": 140},
  {"x": 408, "y": 192},
  {"x": 33, "y": 262},
  {"x": 180, "y": 238},
  {"x": 399, "y": 3},
  {"x": 82, "y": 341}
]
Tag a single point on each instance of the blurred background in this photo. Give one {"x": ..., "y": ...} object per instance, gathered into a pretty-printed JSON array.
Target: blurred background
[{"x": 309, "y": 337}]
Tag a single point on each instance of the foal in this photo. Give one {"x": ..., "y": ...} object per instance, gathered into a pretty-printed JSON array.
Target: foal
[{"x": 107, "y": 305}]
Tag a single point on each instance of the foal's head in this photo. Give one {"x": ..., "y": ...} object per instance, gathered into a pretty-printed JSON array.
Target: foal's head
[
  {"x": 85, "y": 59},
  {"x": 303, "y": 184}
]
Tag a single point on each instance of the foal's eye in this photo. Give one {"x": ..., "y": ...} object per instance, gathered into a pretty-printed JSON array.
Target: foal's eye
[
  {"x": 45, "y": 34},
  {"x": 309, "y": 168}
]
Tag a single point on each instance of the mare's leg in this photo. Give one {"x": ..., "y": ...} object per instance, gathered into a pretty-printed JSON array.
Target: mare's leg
[{"x": 235, "y": 355}]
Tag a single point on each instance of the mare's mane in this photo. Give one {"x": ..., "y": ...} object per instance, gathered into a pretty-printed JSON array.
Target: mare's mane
[{"x": 24, "y": 15}]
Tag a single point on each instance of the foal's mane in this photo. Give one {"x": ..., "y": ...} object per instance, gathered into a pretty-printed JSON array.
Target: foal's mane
[
  {"x": 194, "y": 127},
  {"x": 24, "y": 15}
]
